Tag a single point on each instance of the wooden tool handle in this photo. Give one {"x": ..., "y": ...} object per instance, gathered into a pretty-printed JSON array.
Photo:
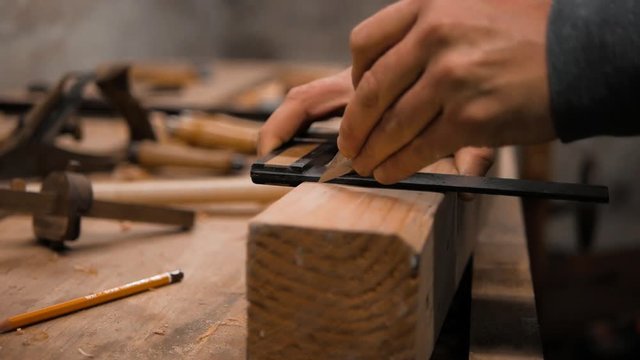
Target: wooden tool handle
[
  {"x": 141, "y": 213},
  {"x": 188, "y": 191},
  {"x": 218, "y": 134},
  {"x": 148, "y": 153}
]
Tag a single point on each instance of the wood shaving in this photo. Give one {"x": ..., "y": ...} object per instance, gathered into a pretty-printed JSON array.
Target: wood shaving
[
  {"x": 162, "y": 330},
  {"x": 84, "y": 353},
  {"x": 91, "y": 270},
  {"x": 38, "y": 336},
  {"x": 125, "y": 226},
  {"x": 210, "y": 331},
  {"x": 216, "y": 325}
]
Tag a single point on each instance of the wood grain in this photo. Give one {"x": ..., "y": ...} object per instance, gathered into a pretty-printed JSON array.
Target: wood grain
[
  {"x": 340, "y": 272},
  {"x": 202, "y": 317}
]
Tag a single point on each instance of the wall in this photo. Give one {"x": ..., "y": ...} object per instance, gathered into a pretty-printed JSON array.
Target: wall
[{"x": 40, "y": 39}]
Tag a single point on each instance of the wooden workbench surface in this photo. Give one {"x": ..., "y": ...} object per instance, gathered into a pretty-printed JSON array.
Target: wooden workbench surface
[{"x": 203, "y": 317}]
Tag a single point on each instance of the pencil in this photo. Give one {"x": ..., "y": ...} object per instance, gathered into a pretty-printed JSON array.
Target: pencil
[{"x": 84, "y": 302}]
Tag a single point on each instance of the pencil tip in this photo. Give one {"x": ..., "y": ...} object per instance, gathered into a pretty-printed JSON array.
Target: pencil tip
[{"x": 176, "y": 275}]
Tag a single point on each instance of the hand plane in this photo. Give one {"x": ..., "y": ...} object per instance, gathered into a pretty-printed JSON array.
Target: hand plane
[
  {"x": 31, "y": 149},
  {"x": 65, "y": 197}
]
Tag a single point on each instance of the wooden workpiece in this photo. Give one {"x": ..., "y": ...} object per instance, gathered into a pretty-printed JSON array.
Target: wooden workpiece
[{"x": 342, "y": 272}]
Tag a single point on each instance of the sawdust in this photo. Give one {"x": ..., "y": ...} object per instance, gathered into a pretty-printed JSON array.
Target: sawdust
[
  {"x": 162, "y": 330},
  {"x": 19, "y": 331},
  {"x": 213, "y": 328},
  {"x": 33, "y": 336},
  {"x": 91, "y": 270},
  {"x": 84, "y": 353}
]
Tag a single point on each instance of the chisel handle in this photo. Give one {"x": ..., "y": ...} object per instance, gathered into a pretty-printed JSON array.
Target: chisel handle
[
  {"x": 152, "y": 154},
  {"x": 141, "y": 213},
  {"x": 213, "y": 133}
]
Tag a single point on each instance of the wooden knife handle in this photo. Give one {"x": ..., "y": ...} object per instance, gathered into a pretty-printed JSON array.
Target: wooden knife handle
[
  {"x": 218, "y": 134},
  {"x": 148, "y": 153}
]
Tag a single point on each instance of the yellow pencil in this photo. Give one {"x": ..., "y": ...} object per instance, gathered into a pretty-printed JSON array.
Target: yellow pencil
[{"x": 84, "y": 302}]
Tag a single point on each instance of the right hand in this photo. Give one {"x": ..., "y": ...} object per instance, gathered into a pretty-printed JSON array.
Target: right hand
[
  {"x": 303, "y": 105},
  {"x": 306, "y": 103}
]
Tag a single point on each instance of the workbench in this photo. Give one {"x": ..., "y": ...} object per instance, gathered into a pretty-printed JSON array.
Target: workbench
[{"x": 204, "y": 316}]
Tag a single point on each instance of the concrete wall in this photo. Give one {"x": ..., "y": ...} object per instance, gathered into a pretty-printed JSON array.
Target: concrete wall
[{"x": 40, "y": 39}]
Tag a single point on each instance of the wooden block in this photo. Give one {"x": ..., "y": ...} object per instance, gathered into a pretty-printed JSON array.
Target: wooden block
[{"x": 351, "y": 273}]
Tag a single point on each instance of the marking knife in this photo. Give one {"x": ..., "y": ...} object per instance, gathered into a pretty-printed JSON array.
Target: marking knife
[{"x": 337, "y": 167}]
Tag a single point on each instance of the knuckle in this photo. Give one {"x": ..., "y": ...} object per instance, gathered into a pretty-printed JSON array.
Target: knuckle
[
  {"x": 473, "y": 116},
  {"x": 391, "y": 122},
  {"x": 434, "y": 32},
  {"x": 299, "y": 93},
  {"x": 368, "y": 90},
  {"x": 450, "y": 70}
]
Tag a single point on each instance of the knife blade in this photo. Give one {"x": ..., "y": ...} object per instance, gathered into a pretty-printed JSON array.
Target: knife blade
[{"x": 337, "y": 167}]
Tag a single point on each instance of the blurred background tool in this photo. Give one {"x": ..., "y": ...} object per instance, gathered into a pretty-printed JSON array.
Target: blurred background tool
[
  {"x": 183, "y": 191},
  {"x": 31, "y": 149},
  {"x": 216, "y": 131},
  {"x": 66, "y": 197}
]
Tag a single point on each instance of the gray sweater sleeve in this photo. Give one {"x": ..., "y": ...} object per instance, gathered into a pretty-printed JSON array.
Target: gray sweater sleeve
[{"x": 593, "y": 54}]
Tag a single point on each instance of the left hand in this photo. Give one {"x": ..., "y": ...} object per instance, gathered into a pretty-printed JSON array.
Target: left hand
[{"x": 435, "y": 77}]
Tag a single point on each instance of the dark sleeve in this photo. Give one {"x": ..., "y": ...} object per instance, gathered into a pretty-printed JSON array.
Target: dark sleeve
[{"x": 593, "y": 54}]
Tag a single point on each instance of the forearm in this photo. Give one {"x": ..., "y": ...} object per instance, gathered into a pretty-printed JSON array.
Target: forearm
[{"x": 594, "y": 67}]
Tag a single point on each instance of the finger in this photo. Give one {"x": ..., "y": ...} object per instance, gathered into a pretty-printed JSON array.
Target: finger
[
  {"x": 399, "y": 125},
  {"x": 435, "y": 142},
  {"x": 301, "y": 106},
  {"x": 391, "y": 75},
  {"x": 371, "y": 38},
  {"x": 474, "y": 161}
]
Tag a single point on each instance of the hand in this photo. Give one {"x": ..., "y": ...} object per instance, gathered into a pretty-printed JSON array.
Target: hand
[
  {"x": 433, "y": 77},
  {"x": 301, "y": 106},
  {"x": 320, "y": 97}
]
